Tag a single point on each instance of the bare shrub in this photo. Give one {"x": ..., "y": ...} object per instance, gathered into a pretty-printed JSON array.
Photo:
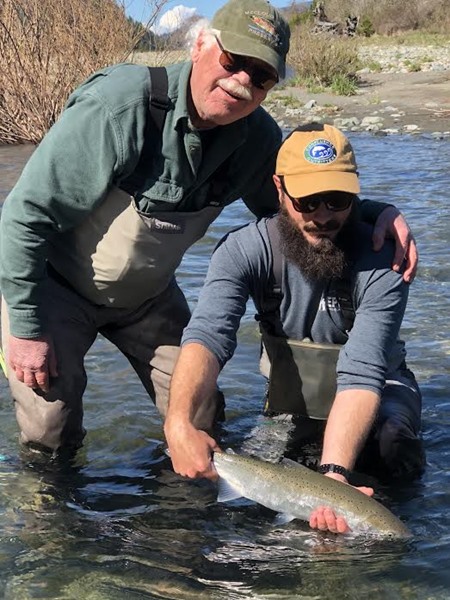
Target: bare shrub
[
  {"x": 47, "y": 47},
  {"x": 159, "y": 58},
  {"x": 173, "y": 47},
  {"x": 392, "y": 16},
  {"x": 322, "y": 58},
  {"x": 435, "y": 15}
]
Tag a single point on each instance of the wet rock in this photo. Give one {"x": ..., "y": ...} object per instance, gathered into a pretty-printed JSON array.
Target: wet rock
[
  {"x": 374, "y": 127},
  {"x": 372, "y": 121},
  {"x": 346, "y": 123},
  {"x": 411, "y": 128}
]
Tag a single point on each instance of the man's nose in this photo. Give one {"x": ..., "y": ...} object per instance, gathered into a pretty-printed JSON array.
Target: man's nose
[
  {"x": 321, "y": 214},
  {"x": 243, "y": 78}
]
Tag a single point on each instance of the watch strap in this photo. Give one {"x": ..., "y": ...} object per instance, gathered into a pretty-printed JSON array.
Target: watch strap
[{"x": 332, "y": 468}]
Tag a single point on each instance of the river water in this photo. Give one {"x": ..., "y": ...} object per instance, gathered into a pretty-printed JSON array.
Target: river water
[{"x": 120, "y": 524}]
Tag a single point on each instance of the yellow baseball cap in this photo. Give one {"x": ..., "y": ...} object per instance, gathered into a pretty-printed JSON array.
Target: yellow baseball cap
[{"x": 317, "y": 158}]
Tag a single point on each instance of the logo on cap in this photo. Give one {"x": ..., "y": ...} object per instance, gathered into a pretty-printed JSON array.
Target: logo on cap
[
  {"x": 263, "y": 28},
  {"x": 320, "y": 152}
]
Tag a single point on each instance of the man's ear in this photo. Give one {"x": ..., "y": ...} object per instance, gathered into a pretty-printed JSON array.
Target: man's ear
[
  {"x": 277, "y": 183},
  {"x": 197, "y": 46}
]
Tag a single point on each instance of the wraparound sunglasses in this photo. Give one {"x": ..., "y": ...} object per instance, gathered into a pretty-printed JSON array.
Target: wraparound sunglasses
[
  {"x": 334, "y": 201},
  {"x": 260, "y": 77}
]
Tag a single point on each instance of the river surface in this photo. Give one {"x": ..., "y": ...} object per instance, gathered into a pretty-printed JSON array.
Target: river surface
[{"x": 119, "y": 524}]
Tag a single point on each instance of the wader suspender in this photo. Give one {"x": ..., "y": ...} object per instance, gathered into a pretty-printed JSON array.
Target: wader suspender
[
  {"x": 273, "y": 295},
  {"x": 159, "y": 105}
]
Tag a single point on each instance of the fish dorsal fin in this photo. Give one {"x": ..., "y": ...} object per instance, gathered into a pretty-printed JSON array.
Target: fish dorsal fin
[
  {"x": 227, "y": 492},
  {"x": 288, "y": 462}
]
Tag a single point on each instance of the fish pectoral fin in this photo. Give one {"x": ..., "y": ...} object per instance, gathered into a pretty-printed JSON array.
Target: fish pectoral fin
[
  {"x": 283, "y": 518},
  {"x": 227, "y": 492}
]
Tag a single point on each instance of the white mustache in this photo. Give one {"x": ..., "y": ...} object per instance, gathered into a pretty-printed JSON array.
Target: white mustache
[{"x": 236, "y": 89}]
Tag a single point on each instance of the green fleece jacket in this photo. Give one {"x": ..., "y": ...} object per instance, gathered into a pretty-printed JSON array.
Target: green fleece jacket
[{"x": 97, "y": 143}]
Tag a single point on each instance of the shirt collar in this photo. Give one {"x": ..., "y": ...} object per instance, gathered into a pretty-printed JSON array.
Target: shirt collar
[{"x": 179, "y": 93}]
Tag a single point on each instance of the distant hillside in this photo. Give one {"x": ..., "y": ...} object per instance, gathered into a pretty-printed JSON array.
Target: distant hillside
[
  {"x": 296, "y": 7},
  {"x": 176, "y": 40}
]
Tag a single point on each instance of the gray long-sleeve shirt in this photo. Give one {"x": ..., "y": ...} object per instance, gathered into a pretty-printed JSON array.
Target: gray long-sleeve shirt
[{"x": 240, "y": 268}]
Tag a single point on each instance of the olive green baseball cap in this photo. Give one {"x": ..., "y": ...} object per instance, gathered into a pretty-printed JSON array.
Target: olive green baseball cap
[{"x": 256, "y": 29}]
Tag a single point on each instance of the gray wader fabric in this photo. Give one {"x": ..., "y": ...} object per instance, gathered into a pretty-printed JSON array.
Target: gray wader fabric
[
  {"x": 122, "y": 263},
  {"x": 302, "y": 376},
  {"x": 395, "y": 448},
  {"x": 148, "y": 336},
  {"x": 120, "y": 257}
]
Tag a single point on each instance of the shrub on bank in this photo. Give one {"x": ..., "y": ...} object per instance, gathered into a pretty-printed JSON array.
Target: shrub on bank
[
  {"x": 387, "y": 17},
  {"x": 47, "y": 47},
  {"x": 324, "y": 60}
]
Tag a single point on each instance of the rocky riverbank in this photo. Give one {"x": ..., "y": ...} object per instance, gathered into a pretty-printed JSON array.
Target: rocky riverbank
[{"x": 402, "y": 90}]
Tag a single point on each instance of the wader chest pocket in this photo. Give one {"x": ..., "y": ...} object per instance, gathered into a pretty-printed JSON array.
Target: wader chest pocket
[{"x": 302, "y": 376}]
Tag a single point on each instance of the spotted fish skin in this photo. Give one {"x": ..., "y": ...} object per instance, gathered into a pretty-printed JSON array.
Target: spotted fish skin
[{"x": 295, "y": 491}]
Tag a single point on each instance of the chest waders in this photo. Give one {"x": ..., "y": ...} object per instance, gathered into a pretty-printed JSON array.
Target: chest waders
[
  {"x": 302, "y": 378},
  {"x": 123, "y": 256}
]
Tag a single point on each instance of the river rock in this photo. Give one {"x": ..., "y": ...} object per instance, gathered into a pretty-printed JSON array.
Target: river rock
[
  {"x": 346, "y": 123},
  {"x": 411, "y": 128},
  {"x": 369, "y": 121}
]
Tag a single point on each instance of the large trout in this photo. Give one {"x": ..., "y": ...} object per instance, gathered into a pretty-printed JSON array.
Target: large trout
[{"x": 295, "y": 491}]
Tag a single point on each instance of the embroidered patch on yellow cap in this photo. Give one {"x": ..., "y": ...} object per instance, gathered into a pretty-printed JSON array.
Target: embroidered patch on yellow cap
[{"x": 317, "y": 158}]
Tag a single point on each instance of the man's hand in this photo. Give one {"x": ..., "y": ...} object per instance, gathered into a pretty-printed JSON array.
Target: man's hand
[
  {"x": 391, "y": 222},
  {"x": 191, "y": 450},
  {"x": 325, "y": 519},
  {"x": 33, "y": 361}
]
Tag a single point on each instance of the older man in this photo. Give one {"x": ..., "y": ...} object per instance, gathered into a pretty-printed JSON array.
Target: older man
[
  {"x": 135, "y": 170},
  {"x": 330, "y": 310}
]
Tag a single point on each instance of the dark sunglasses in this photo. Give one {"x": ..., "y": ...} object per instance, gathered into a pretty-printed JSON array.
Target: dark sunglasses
[
  {"x": 334, "y": 201},
  {"x": 260, "y": 77}
]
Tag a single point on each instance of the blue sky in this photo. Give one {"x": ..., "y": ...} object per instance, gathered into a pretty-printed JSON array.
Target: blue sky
[{"x": 139, "y": 9}]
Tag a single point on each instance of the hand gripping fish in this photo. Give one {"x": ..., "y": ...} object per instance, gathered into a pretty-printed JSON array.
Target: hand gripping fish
[{"x": 295, "y": 491}]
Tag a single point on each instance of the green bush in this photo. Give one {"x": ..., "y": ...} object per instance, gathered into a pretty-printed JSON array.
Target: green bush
[
  {"x": 365, "y": 27},
  {"x": 343, "y": 85},
  {"x": 412, "y": 66},
  {"x": 322, "y": 58},
  {"x": 374, "y": 66}
]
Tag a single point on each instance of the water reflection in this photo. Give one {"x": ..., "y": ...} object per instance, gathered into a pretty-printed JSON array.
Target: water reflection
[
  {"x": 12, "y": 161},
  {"x": 118, "y": 523}
]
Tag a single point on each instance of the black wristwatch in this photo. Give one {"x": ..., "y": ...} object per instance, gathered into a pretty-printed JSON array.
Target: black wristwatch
[{"x": 331, "y": 468}]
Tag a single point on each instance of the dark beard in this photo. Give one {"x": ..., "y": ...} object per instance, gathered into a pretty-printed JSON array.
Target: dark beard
[{"x": 329, "y": 258}]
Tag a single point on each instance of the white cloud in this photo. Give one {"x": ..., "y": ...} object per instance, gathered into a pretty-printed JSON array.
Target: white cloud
[{"x": 173, "y": 19}]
